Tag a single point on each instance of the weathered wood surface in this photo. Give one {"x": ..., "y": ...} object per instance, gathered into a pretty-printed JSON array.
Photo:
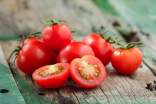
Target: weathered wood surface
[
  {"x": 81, "y": 16},
  {"x": 9, "y": 92}
]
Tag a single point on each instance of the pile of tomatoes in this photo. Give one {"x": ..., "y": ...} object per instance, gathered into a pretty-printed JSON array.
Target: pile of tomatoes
[{"x": 56, "y": 56}]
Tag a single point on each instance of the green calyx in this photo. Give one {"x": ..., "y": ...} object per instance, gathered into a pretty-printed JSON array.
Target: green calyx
[
  {"x": 134, "y": 44},
  {"x": 50, "y": 22},
  {"x": 30, "y": 35},
  {"x": 114, "y": 40}
]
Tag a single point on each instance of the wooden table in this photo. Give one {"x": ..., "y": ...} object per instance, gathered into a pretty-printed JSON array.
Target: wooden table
[{"x": 129, "y": 20}]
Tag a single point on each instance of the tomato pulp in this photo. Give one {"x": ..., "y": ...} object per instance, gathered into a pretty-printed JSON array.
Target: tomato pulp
[
  {"x": 88, "y": 71},
  {"x": 52, "y": 76}
]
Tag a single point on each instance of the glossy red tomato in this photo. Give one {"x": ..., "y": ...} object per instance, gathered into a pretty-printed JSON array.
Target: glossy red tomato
[
  {"x": 31, "y": 40},
  {"x": 126, "y": 61},
  {"x": 87, "y": 72},
  {"x": 102, "y": 49},
  {"x": 74, "y": 50},
  {"x": 52, "y": 76},
  {"x": 56, "y": 36},
  {"x": 33, "y": 55}
]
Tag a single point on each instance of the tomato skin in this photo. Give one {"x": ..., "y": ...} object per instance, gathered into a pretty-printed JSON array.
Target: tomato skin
[
  {"x": 126, "y": 61},
  {"x": 56, "y": 36},
  {"x": 74, "y": 50},
  {"x": 102, "y": 49},
  {"x": 88, "y": 84},
  {"x": 52, "y": 81},
  {"x": 33, "y": 55},
  {"x": 31, "y": 40}
]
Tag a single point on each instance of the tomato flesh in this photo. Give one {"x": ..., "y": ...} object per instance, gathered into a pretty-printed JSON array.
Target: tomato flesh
[
  {"x": 126, "y": 61},
  {"x": 87, "y": 72},
  {"x": 52, "y": 76}
]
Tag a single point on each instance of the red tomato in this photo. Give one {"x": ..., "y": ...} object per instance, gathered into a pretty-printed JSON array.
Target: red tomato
[
  {"x": 56, "y": 36},
  {"x": 126, "y": 61},
  {"x": 74, "y": 50},
  {"x": 31, "y": 40},
  {"x": 52, "y": 76},
  {"x": 33, "y": 55},
  {"x": 102, "y": 49},
  {"x": 87, "y": 72},
  {"x": 28, "y": 40}
]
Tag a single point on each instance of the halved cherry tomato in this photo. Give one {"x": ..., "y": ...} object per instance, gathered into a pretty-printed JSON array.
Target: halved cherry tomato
[
  {"x": 33, "y": 54},
  {"x": 74, "y": 50},
  {"x": 87, "y": 72},
  {"x": 126, "y": 61},
  {"x": 56, "y": 36},
  {"x": 51, "y": 76},
  {"x": 102, "y": 49}
]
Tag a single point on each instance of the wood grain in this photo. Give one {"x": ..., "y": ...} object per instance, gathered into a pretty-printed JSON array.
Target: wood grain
[{"x": 81, "y": 16}]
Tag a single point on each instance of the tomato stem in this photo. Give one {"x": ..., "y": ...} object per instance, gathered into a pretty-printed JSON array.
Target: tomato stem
[
  {"x": 34, "y": 33},
  {"x": 15, "y": 51}
]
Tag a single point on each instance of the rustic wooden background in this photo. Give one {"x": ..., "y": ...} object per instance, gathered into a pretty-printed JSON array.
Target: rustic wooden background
[{"x": 130, "y": 20}]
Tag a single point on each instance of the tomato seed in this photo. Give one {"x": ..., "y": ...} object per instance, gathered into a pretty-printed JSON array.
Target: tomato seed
[
  {"x": 52, "y": 70},
  {"x": 87, "y": 71}
]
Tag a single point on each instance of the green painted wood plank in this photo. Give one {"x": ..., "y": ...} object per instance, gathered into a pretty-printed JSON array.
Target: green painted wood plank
[
  {"x": 141, "y": 13},
  {"x": 105, "y": 6},
  {"x": 9, "y": 92}
]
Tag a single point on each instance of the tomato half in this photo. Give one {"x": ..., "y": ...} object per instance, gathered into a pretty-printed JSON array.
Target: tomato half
[
  {"x": 87, "y": 72},
  {"x": 74, "y": 50},
  {"x": 102, "y": 49},
  {"x": 56, "y": 36},
  {"x": 33, "y": 55},
  {"x": 126, "y": 61},
  {"x": 51, "y": 76}
]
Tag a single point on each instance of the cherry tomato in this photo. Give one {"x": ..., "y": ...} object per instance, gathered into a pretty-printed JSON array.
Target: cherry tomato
[
  {"x": 56, "y": 36},
  {"x": 88, "y": 71},
  {"x": 33, "y": 55},
  {"x": 31, "y": 40},
  {"x": 74, "y": 50},
  {"x": 126, "y": 61},
  {"x": 51, "y": 76},
  {"x": 102, "y": 49}
]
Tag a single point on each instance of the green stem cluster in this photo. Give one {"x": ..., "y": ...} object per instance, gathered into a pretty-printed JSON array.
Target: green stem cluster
[{"x": 102, "y": 31}]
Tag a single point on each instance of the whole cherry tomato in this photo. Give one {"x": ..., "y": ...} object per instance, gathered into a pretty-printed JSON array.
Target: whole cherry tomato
[
  {"x": 51, "y": 76},
  {"x": 32, "y": 55},
  {"x": 88, "y": 71},
  {"x": 102, "y": 49},
  {"x": 56, "y": 36},
  {"x": 74, "y": 50},
  {"x": 126, "y": 61}
]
